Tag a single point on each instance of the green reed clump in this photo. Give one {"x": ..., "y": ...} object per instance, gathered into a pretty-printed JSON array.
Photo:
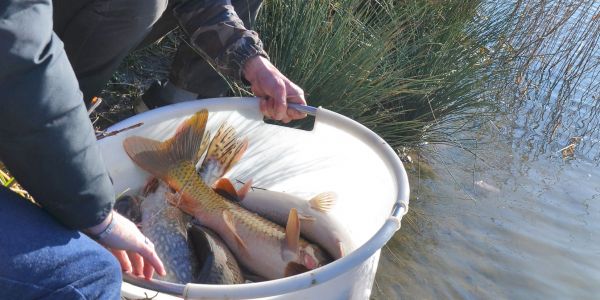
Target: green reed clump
[{"x": 402, "y": 68}]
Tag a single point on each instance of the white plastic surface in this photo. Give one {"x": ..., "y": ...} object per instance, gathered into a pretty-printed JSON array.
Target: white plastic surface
[{"x": 338, "y": 155}]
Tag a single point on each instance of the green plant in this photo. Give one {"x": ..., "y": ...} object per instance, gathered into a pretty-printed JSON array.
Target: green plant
[{"x": 405, "y": 69}]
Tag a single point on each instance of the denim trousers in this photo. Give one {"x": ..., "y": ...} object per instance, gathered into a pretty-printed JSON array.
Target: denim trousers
[
  {"x": 41, "y": 259},
  {"x": 98, "y": 35}
]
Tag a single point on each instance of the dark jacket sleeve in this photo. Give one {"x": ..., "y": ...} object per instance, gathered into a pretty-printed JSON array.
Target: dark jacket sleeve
[
  {"x": 216, "y": 32},
  {"x": 46, "y": 139}
]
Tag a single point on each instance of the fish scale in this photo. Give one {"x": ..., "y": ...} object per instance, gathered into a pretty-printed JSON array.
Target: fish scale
[{"x": 184, "y": 179}]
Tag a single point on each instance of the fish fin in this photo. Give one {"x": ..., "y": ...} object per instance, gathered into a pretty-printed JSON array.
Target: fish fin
[
  {"x": 203, "y": 146},
  {"x": 224, "y": 151},
  {"x": 292, "y": 231},
  {"x": 228, "y": 218},
  {"x": 243, "y": 191},
  {"x": 183, "y": 203},
  {"x": 323, "y": 202},
  {"x": 159, "y": 157},
  {"x": 342, "y": 251},
  {"x": 224, "y": 187},
  {"x": 151, "y": 186},
  {"x": 293, "y": 268}
]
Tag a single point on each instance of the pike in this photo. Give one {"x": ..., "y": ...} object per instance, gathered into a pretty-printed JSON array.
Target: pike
[{"x": 260, "y": 245}]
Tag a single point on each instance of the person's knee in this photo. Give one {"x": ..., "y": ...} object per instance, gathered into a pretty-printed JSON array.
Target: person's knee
[
  {"x": 109, "y": 268},
  {"x": 101, "y": 276}
]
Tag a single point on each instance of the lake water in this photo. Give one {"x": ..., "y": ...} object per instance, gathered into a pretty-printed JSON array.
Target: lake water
[{"x": 513, "y": 219}]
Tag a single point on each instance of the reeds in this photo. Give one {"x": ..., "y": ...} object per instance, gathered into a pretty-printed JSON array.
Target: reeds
[
  {"x": 402, "y": 68},
  {"x": 420, "y": 71}
]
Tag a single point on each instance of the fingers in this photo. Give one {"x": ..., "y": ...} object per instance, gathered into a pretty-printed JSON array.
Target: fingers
[
  {"x": 151, "y": 260},
  {"x": 132, "y": 249},
  {"x": 137, "y": 262},
  {"x": 275, "y": 97},
  {"x": 279, "y": 101},
  {"x": 123, "y": 260},
  {"x": 295, "y": 95}
]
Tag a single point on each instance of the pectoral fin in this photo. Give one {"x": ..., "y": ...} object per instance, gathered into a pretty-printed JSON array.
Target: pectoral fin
[
  {"x": 323, "y": 202},
  {"x": 244, "y": 189},
  {"x": 292, "y": 233},
  {"x": 341, "y": 250},
  {"x": 228, "y": 218},
  {"x": 225, "y": 188}
]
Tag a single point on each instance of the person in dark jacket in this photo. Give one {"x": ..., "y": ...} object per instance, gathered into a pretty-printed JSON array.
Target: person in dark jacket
[
  {"x": 57, "y": 248},
  {"x": 98, "y": 34}
]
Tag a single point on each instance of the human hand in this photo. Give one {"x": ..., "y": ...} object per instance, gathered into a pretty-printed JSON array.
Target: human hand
[
  {"x": 274, "y": 90},
  {"x": 132, "y": 249}
]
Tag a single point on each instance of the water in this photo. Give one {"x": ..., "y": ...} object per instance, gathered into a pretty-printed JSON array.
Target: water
[{"x": 514, "y": 219}]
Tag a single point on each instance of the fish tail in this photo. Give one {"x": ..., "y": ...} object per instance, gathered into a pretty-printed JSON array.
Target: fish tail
[{"x": 159, "y": 157}]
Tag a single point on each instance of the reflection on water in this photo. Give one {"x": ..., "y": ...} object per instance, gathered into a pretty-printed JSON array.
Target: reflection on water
[{"x": 514, "y": 219}]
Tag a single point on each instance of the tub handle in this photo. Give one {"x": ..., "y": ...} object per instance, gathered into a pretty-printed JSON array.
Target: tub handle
[
  {"x": 398, "y": 211},
  {"x": 309, "y": 110}
]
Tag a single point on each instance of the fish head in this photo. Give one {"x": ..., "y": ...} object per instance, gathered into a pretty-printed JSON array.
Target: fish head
[
  {"x": 313, "y": 257},
  {"x": 310, "y": 257},
  {"x": 129, "y": 207}
]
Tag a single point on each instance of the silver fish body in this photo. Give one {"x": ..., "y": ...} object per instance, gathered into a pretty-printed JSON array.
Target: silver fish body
[{"x": 317, "y": 224}]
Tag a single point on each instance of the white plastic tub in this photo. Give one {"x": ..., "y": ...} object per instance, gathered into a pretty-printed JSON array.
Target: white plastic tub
[{"x": 338, "y": 155}]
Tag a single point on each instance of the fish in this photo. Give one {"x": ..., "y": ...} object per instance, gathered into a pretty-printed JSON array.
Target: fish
[
  {"x": 317, "y": 224},
  {"x": 219, "y": 265},
  {"x": 261, "y": 246},
  {"x": 167, "y": 227},
  {"x": 211, "y": 261}
]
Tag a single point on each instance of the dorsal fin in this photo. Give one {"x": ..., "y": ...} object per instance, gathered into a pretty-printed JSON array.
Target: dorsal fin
[
  {"x": 224, "y": 151},
  {"x": 159, "y": 157},
  {"x": 323, "y": 202}
]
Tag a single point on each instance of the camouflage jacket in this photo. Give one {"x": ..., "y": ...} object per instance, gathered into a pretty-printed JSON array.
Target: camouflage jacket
[{"x": 216, "y": 31}]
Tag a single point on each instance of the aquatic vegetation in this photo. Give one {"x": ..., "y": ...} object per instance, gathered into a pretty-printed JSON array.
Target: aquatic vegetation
[
  {"x": 422, "y": 71},
  {"x": 403, "y": 69}
]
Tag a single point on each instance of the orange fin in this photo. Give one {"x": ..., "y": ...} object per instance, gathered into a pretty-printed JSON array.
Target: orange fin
[
  {"x": 159, "y": 157},
  {"x": 293, "y": 268},
  {"x": 292, "y": 234},
  {"x": 244, "y": 189},
  {"x": 183, "y": 203},
  {"x": 228, "y": 218},
  {"x": 224, "y": 151},
  {"x": 224, "y": 187},
  {"x": 323, "y": 202}
]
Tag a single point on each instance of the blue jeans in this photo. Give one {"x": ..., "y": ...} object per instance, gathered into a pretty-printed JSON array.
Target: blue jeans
[{"x": 40, "y": 258}]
